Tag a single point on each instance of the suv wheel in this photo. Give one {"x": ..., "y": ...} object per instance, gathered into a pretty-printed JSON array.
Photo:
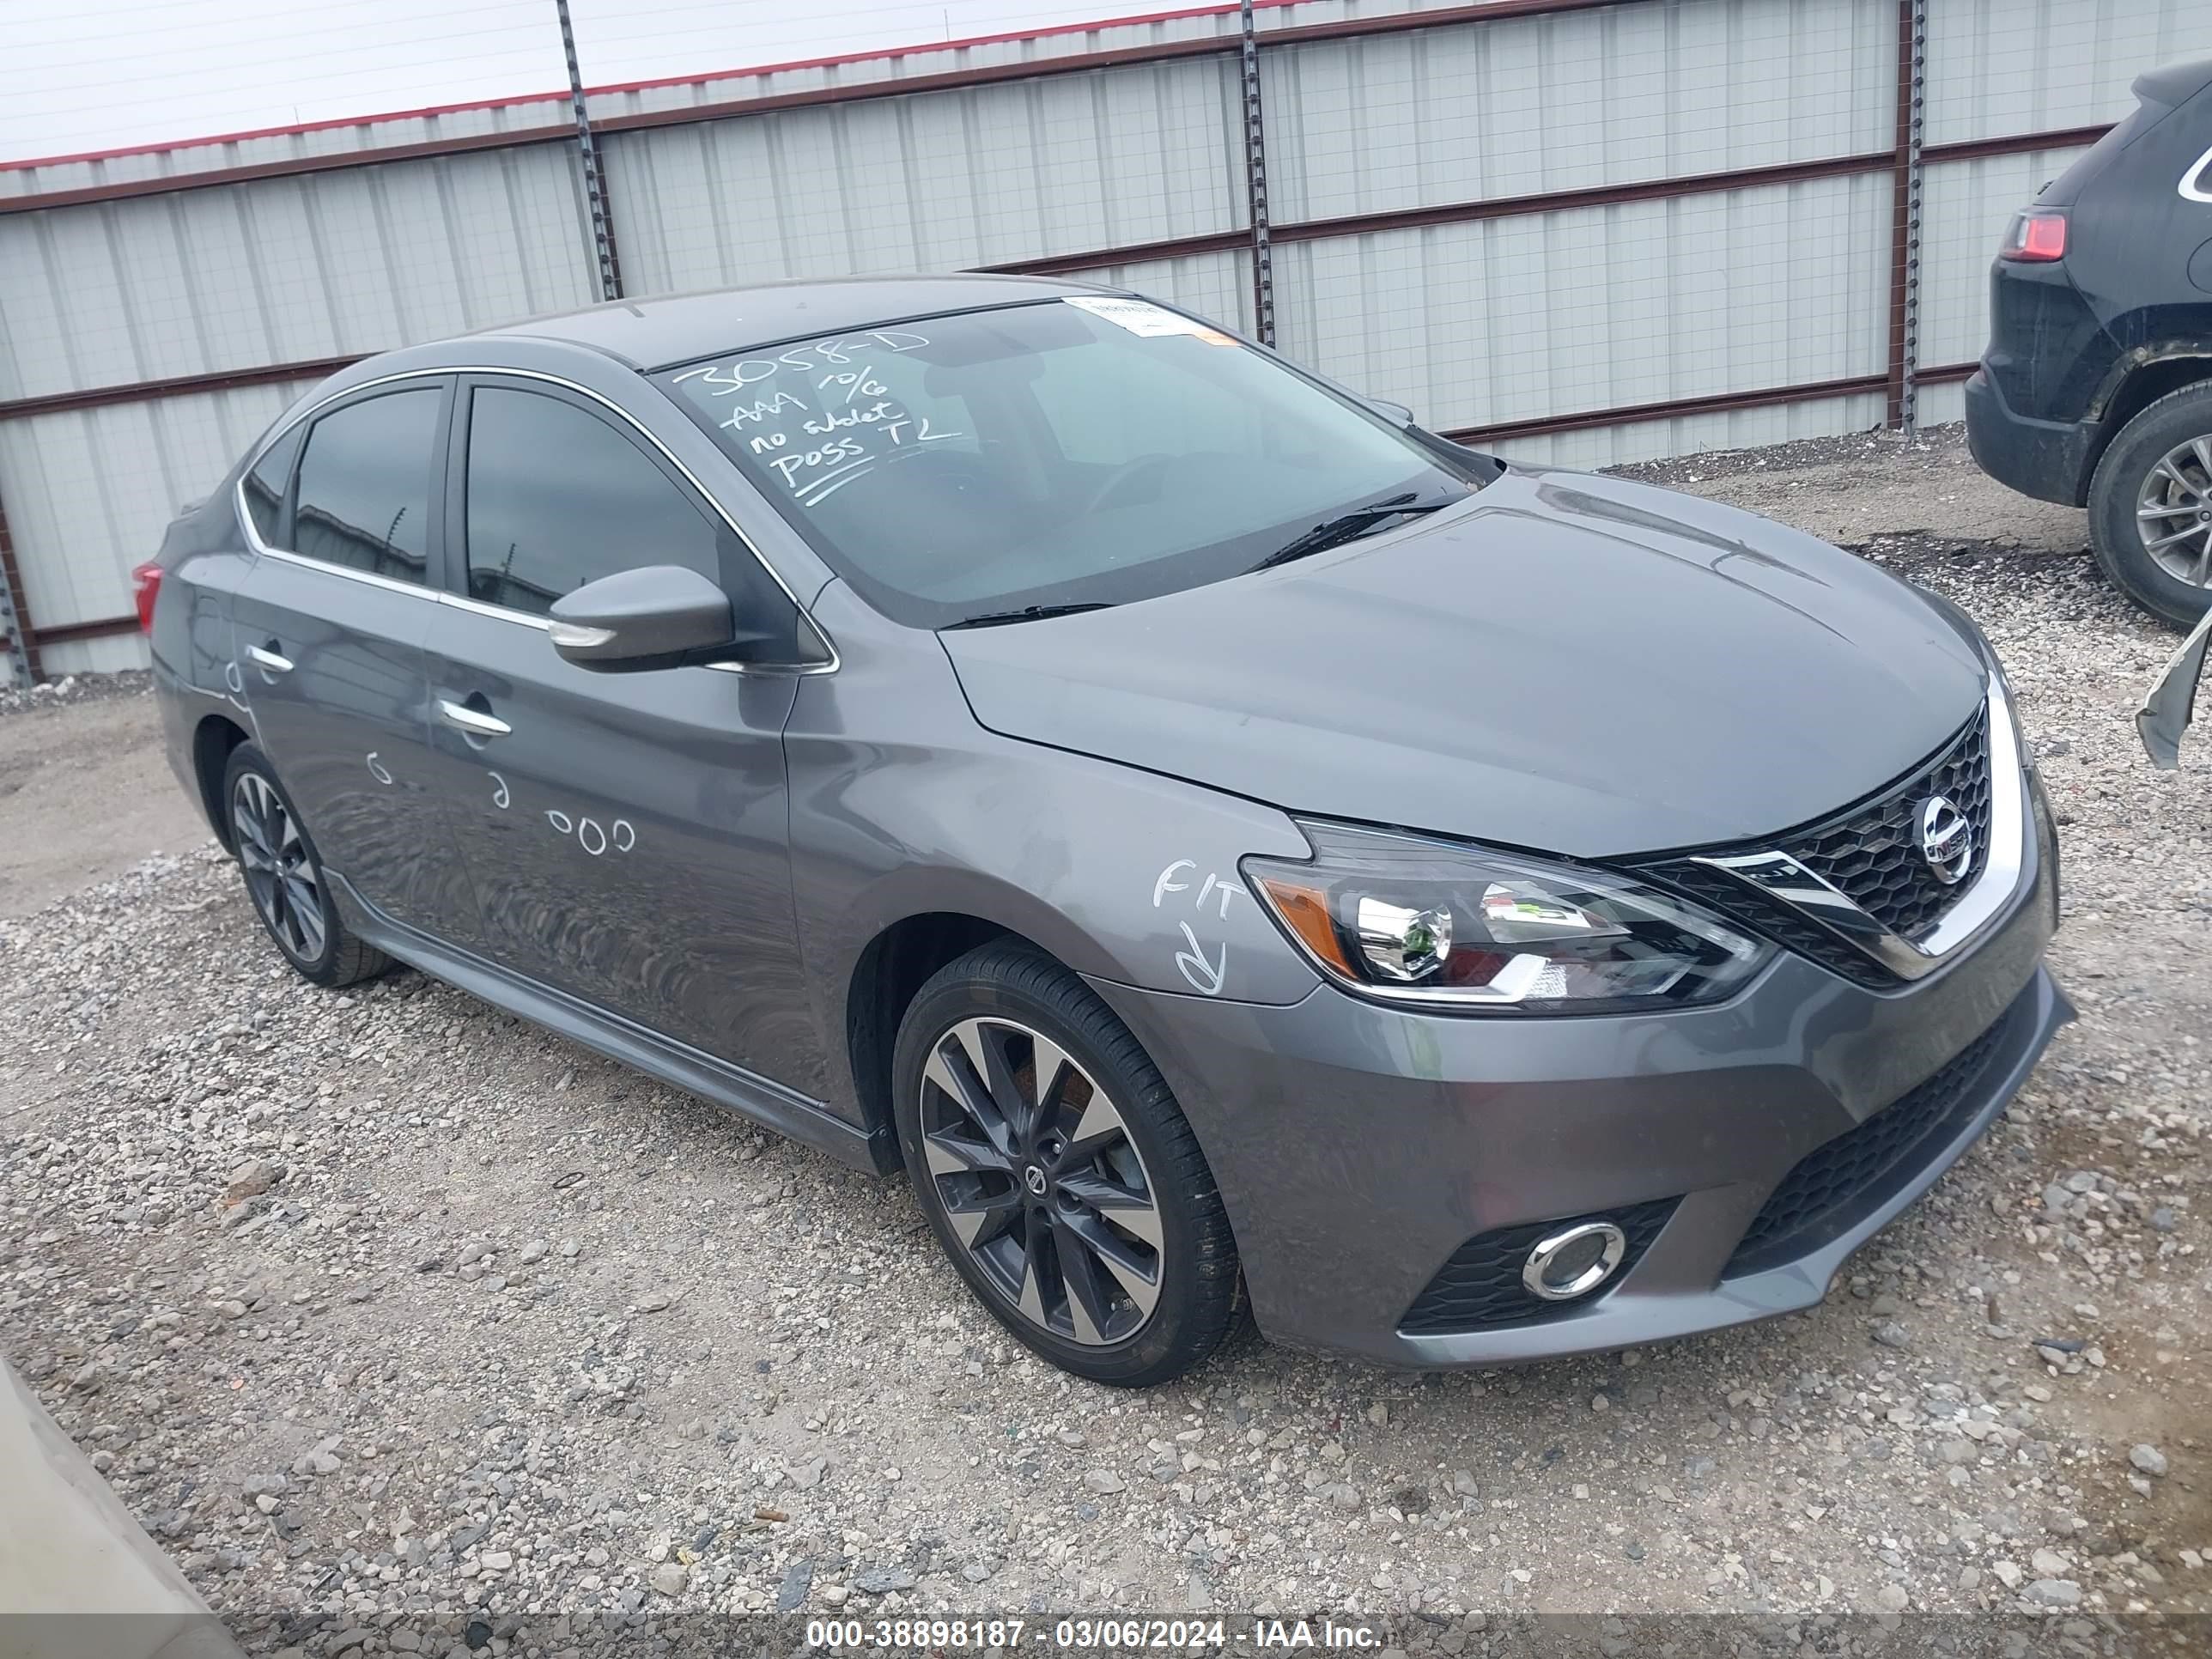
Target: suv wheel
[
  {"x": 2151, "y": 506},
  {"x": 283, "y": 879},
  {"x": 1058, "y": 1173}
]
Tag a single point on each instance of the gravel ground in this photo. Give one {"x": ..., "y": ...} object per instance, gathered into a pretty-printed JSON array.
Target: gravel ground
[
  {"x": 90, "y": 740},
  {"x": 72, "y": 690},
  {"x": 400, "y": 1322}
]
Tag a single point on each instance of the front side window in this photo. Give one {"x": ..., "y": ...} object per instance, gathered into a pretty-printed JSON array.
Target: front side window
[
  {"x": 1080, "y": 451},
  {"x": 365, "y": 485},
  {"x": 556, "y": 498}
]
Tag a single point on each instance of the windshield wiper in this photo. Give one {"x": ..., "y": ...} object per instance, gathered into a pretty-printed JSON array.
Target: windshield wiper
[
  {"x": 1027, "y": 613},
  {"x": 1349, "y": 526}
]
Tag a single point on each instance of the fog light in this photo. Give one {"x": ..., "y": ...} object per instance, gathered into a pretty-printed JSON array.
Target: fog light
[{"x": 1574, "y": 1261}]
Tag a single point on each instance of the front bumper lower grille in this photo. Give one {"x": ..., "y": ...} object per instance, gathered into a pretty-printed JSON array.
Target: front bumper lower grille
[
  {"x": 1841, "y": 1181},
  {"x": 1481, "y": 1287}
]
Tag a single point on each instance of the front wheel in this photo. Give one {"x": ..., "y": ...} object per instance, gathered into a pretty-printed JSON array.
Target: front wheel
[
  {"x": 1058, "y": 1173},
  {"x": 2151, "y": 506}
]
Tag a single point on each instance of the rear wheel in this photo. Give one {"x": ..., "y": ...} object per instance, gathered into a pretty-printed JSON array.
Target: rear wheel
[
  {"x": 1058, "y": 1173},
  {"x": 284, "y": 879},
  {"x": 2151, "y": 506}
]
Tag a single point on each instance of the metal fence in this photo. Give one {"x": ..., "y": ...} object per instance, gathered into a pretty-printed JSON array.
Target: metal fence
[{"x": 1582, "y": 231}]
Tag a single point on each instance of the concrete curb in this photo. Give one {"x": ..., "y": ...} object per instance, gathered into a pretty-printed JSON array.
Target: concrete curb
[{"x": 79, "y": 1579}]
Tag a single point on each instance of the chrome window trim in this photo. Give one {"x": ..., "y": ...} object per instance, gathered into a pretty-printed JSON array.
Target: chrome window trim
[
  {"x": 479, "y": 607},
  {"x": 496, "y": 612},
  {"x": 1783, "y": 878},
  {"x": 389, "y": 583},
  {"x": 2196, "y": 184}
]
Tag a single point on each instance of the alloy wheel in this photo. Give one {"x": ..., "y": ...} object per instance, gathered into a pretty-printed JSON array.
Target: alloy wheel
[
  {"x": 2173, "y": 512},
  {"x": 280, "y": 872},
  {"x": 1035, "y": 1169}
]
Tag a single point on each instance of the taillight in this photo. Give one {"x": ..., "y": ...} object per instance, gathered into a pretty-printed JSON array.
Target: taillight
[
  {"x": 2035, "y": 237},
  {"x": 145, "y": 588}
]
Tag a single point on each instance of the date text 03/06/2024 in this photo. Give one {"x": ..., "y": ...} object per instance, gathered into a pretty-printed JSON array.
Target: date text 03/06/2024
[{"x": 1111, "y": 1634}]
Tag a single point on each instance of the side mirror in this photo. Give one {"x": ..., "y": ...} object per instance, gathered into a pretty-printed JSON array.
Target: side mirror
[
  {"x": 659, "y": 616},
  {"x": 1398, "y": 412}
]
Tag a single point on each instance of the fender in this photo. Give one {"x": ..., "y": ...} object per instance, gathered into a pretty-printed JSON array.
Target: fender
[
  {"x": 902, "y": 806},
  {"x": 2132, "y": 362}
]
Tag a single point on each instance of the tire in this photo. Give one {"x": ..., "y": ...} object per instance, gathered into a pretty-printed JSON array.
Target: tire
[
  {"x": 2131, "y": 467},
  {"x": 284, "y": 878},
  {"x": 1151, "y": 1293}
]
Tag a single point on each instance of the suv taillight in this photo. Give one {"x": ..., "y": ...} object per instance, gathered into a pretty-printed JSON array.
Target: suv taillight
[
  {"x": 145, "y": 588},
  {"x": 2037, "y": 236}
]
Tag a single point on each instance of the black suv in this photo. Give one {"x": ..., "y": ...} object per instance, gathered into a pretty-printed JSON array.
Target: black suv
[{"x": 2096, "y": 389}]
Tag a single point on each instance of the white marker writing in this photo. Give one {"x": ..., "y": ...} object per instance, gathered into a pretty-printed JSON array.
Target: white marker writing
[
  {"x": 1167, "y": 883},
  {"x": 763, "y": 409},
  {"x": 1204, "y": 977}
]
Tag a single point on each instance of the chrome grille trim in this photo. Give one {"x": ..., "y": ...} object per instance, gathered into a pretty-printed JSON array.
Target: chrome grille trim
[{"x": 1783, "y": 878}]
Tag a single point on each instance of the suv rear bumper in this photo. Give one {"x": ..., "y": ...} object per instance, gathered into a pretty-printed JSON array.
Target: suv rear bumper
[{"x": 2047, "y": 459}]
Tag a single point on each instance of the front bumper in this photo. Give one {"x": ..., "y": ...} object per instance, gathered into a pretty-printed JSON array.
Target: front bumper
[{"x": 1358, "y": 1148}]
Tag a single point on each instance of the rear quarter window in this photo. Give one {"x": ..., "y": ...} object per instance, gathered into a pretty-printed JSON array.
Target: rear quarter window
[{"x": 264, "y": 485}]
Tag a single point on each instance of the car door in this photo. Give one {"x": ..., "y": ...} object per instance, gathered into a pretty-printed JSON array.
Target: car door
[
  {"x": 329, "y": 628},
  {"x": 626, "y": 834}
]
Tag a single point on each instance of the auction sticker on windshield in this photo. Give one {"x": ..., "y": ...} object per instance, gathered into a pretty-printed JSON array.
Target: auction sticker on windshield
[{"x": 1141, "y": 317}]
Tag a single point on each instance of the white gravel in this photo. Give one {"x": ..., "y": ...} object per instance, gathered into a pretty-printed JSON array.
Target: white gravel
[{"x": 404, "y": 1324}]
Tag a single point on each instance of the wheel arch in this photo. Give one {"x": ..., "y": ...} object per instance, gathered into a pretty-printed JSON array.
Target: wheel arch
[
  {"x": 213, "y": 741},
  {"x": 2137, "y": 386},
  {"x": 890, "y": 970}
]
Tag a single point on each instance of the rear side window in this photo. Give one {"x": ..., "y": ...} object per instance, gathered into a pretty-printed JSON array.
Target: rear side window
[
  {"x": 365, "y": 486},
  {"x": 265, "y": 486},
  {"x": 556, "y": 498}
]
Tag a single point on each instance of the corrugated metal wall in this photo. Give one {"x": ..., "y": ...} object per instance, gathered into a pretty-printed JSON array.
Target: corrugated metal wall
[
  {"x": 1019, "y": 171},
  {"x": 1503, "y": 222},
  {"x": 286, "y": 270},
  {"x": 96, "y": 485},
  {"x": 1574, "y": 100}
]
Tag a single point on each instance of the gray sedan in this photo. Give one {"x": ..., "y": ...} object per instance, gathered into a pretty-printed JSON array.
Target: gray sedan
[{"x": 1227, "y": 845}]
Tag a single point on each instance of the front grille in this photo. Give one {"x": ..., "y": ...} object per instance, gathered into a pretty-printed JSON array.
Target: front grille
[
  {"x": 1481, "y": 1287},
  {"x": 1784, "y": 924},
  {"x": 1837, "y": 1182},
  {"x": 1873, "y": 854}
]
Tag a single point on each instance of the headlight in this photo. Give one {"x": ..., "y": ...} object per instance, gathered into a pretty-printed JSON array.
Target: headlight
[{"x": 1434, "y": 922}]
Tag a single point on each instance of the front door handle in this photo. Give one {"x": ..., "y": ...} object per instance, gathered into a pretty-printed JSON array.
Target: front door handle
[
  {"x": 269, "y": 662},
  {"x": 475, "y": 722}
]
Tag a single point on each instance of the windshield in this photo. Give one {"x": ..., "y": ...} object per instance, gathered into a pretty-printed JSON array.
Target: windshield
[{"x": 1075, "y": 452}]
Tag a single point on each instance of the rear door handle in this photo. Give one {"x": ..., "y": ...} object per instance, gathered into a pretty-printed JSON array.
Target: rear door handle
[
  {"x": 268, "y": 661},
  {"x": 476, "y": 723}
]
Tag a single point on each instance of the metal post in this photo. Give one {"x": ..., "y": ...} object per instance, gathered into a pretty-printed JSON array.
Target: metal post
[
  {"x": 1916, "y": 175},
  {"x": 1255, "y": 174},
  {"x": 595, "y": 192},
  {"x": 1909, "y": 178},
  {"x": 20, "y": 650}
]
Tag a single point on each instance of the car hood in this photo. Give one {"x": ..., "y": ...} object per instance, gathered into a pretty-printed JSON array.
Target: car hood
[{"x": 1572, "y": 663}]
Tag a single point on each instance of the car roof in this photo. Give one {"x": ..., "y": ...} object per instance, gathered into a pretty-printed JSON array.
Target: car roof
[
  {"x": 2174, "y": 84},
  {"x": 649, "y": 334}
]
